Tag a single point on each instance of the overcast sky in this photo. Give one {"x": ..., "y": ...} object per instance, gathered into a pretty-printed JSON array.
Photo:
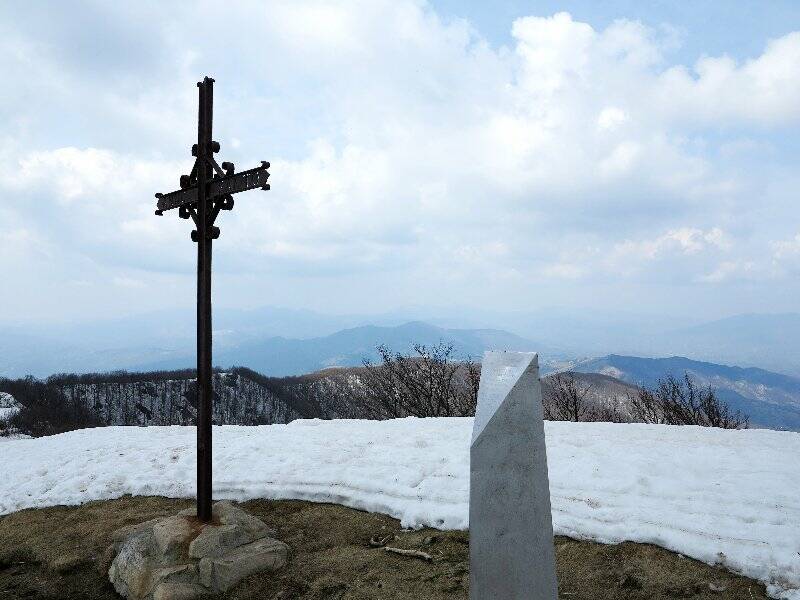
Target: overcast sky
[{"x": 537, "y": 154}]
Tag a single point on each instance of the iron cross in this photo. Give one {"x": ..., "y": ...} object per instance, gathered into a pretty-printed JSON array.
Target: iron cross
[{"x": 207, "y": 190}]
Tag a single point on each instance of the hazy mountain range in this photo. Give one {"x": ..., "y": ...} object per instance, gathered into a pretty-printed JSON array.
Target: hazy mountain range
[
  {"x": 23, "y": 354},
  {"x": 302, "y": 341},
  {"x": 279, "y": 342}
]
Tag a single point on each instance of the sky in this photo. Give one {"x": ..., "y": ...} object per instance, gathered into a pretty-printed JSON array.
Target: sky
[{"x": 509, "y": 156}]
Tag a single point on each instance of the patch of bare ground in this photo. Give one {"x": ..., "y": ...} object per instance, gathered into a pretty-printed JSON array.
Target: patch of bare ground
[{"x": 337, "y": 553}]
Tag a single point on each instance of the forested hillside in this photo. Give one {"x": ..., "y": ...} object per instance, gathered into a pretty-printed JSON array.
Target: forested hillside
[{"x": 241, "y": 397}]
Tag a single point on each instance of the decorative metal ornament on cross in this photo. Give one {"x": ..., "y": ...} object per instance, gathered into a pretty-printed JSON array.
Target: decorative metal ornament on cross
[{"x": 203, "y": 193}]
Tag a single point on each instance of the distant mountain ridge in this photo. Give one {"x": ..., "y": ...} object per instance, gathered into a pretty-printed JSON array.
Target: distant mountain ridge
[
  {"x": 274, "y": 355},
  {"x": 166, "y": 337},
  {"x": 280, "y": 356},
  {"x": 770, "y": 399}
]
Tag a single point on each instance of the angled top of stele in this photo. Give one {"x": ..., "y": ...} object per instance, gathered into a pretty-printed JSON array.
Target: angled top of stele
[{"x": 500, "y": 372}]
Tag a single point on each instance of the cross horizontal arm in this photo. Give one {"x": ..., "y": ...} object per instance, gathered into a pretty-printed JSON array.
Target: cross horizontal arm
[{"x": 230, "y": 184}]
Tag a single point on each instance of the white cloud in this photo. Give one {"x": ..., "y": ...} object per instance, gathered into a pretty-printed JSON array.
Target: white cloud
[
  {"x": 764, "y": 89},
  {"x": 405, "y": 144},
  {"x": 631, "y": 256},
  {"x": 786, "y": 257},
  {"x": 728, "y": 270},
  {"x": 686, "y": 240},
  {"x": 610, "y": 118},
  {"x": 787, "y": 249}
]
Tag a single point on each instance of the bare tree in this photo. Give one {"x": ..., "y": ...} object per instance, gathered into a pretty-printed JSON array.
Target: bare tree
[
  {"x": 425, "y": 383},
  {"x": 565, "y": 398},
  {"x": 675, "y": 401}
]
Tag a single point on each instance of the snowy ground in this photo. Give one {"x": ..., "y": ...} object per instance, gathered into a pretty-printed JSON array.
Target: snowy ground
[{"x": 731, "y": 497}]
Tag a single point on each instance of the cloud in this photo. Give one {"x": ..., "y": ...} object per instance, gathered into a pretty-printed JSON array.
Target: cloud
[
  {"x": 728, "y": 270},
  {"x": 786, "y": 257},
  {"x": 787, "y": 249},
  {"x": 686, "y": 241},
  {"x": 404, "y": 146},
  {"x": 763, "y": 90}
]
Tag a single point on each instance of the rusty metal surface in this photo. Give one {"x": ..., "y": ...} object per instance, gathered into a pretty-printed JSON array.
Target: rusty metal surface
[
  {"x": 230, "y": 184},
  {"x": 206, "y": 191}
]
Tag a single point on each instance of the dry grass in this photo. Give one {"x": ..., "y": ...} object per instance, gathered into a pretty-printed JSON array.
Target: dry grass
[{"x": 59, "y": 553}]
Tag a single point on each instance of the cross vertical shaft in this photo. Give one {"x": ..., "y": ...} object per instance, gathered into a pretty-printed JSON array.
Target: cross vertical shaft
[
  {"x": 204, "y": 386},
  {"x": 206, "y": 191}
]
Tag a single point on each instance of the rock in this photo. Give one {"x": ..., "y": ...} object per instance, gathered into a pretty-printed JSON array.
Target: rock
[
  {"x": 177, "y": 574},
  {"x": 130, "y": 572},
  {"x": 65, "y": 564},
  {"x": 179, "y": 557},
  {"x": 215, "y": 541},
  {"x": 230, "y": 514},
  {"x": 226, "y": 571},
  {"x": 124, "y": 533},
  {"x": 179, "y": 591},
  {"x": 172, "y": 534},
  {"x": 236, "y": 528}
]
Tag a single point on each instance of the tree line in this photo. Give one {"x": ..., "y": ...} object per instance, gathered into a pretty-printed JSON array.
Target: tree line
[
  {"x": 429, "y": 383},
  {"x": 426, "y": 382}
]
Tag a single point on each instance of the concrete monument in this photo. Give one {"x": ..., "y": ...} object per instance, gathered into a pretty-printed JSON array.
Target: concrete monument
[{"x": 510, "y": 523}]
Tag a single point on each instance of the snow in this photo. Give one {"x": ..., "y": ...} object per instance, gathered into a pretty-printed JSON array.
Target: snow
[
  {"x": 727, "y": 497},
  {"x": 6, "y": 412},
  {"x": 8, "y": 406}
]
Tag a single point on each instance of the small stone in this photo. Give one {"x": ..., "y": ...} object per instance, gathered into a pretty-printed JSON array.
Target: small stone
[
  {"x": 123, "y": 533},
  {"x": 230, "y": 514},
  {"x": 65, "y": 564},
  {"x": 236, "y": 528},
  {"x": 172, "y": 536},
  {"x": 179, "y": 591},
  {"x": 130, "y": 571},
  {"x": 429, "y": 540},
  {"x": 715, "y": 587},
  {"x": 222, "y": 573},
  {"x": 205, "y": 569},
  {"x": 176, "y": 574},
  {"x": 216, "y": 540}
]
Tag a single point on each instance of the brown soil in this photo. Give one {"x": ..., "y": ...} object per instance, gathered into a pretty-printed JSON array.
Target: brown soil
[{"x": 59, "y": 553}]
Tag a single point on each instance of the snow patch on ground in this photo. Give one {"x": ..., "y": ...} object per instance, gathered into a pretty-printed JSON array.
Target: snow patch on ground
[{"x": 730, "y": 497}]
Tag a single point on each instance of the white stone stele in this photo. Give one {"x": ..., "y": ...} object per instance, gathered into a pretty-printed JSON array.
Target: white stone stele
[
  {"x": 510, "y": 524},
  {"x": 180, "y": 558}
]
